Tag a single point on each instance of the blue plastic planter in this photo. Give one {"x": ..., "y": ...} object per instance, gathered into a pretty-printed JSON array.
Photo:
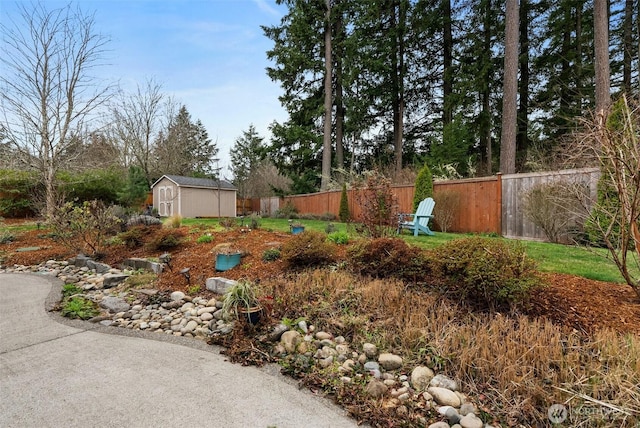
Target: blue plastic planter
[
  {"x": 297, "y": 229},
  {"x": 227, "y": 261}
]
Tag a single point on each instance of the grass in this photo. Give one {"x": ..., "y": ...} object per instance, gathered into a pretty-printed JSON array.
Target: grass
[
  {"x": 20, "y": 227},
  {"x": 591, "y": 263}
]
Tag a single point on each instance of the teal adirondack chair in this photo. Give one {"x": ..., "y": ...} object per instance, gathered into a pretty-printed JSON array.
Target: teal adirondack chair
[{"x": 420, "y": 219}]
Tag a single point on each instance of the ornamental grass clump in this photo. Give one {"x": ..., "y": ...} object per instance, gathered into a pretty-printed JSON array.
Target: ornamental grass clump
[{"x": 486, "y": 273}]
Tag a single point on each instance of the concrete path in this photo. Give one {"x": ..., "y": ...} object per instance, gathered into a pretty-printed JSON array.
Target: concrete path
[{"x": 60, "y": 373}]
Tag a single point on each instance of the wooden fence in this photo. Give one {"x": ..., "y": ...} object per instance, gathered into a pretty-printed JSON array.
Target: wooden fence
[
  {"x": 515, "y": 186},
  {"x": 477, "y": 209},
  {"x": 484, "y": 205}
]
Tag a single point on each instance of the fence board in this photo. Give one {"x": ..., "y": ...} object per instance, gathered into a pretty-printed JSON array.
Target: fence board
[
  {"x": 478, "y": 209},
  {"x": 515, "y": 186}
]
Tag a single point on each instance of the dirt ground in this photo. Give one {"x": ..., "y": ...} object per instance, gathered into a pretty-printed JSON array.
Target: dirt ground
[{"x": 569, "y": 300}]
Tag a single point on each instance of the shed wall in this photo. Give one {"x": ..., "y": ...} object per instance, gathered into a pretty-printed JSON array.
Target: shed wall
[{"x": 200, "y": 202}]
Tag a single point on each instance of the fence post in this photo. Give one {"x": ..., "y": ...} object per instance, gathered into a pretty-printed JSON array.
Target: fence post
[{"x": 499, "y": 201}]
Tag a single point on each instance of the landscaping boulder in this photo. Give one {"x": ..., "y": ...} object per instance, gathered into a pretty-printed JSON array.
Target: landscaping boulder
[{"x": 114, "y": 304}]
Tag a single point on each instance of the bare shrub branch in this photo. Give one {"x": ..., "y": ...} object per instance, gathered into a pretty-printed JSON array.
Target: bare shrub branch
[{"x": 616, "y": 213}]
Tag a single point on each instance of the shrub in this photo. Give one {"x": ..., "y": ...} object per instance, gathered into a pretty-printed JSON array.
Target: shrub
[
  {"x": 79, "y": 307},
  {"x": 486, "y": 273},
  {"x": 378, "y": 205},
  {"x": 270, "y": 254},
  {"x": 204, "y": 239},
  {"x": 343, "y": 214},
  {"x": 309, "y": 248},
  {"x": 254, "y": 222},
  {"x": 423, "y": 187},
  {"x": 340, "y": 238},
  {"x": 287, "y": 211},
  {"x": 551, "y": 207},
  {"x": 448, "y": 203},
  {"x": 93, "y": 184},
  {"x": 16, "y": 198},
  {"x": 135, "y": 188},
  {"x": 604, "y": 216},
  {"x": 165, "y": 239},
  {"x": 6, "y": 237},
  {"x": 227, "y": 223},
  {"x": 134, "y": 237},
  {"x": 84, "y": 227},
  {"x": 389, "y": 257}
]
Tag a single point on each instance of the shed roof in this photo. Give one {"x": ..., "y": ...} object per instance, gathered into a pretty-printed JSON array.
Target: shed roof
[{"x": 206, "y": 183}]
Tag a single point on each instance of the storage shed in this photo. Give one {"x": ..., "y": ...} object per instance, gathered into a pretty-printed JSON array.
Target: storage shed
[{"x": 194, "y": 197}]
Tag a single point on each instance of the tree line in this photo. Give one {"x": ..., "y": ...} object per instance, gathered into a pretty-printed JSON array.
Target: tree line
[
  {"x": 423, "y": 81},
  {"x": 386, "y": 84}
]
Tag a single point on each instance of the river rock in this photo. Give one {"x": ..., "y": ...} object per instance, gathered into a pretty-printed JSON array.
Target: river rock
[
  {"x": 370, "y": 350},
  {"x": 390, "y": 361},
  {"x": 442, "y": 381},
  {"x": 375, "y": 388},
  {"x": 290, "y": 340},
  {"x": 439, "y": 425},
  {"x": 444, "y": 397},
  {"x": 467, "y": 408},
  {"x": 471, "y": 421},
  {"x": 420, "y": 377},
  {"x": 177, "y": 296}
]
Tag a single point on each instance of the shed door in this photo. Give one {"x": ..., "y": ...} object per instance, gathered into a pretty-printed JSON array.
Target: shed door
[{"x": 165, "y": 207}]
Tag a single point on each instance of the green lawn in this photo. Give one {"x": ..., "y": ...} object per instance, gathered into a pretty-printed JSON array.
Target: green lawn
[{"x": 592, "y": 263}]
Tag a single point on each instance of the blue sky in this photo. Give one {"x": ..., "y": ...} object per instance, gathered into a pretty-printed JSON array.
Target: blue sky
[{"x": 210, "y": 55}]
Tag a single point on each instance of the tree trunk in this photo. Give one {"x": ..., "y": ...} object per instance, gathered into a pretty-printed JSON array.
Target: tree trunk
[
  {"x": 339, "y": 102},
  {"x": 601, "y": 47},
  {"x": 628, "y": 46},
  {"x": 398, "y": 23},
  {"x": 522, "y": 137},
  {"x": 485, "y": 131},
  {"x": 326, "y": 146},
  {"x": 509, "y": 108},
  {"x": 447, "y": 83}
]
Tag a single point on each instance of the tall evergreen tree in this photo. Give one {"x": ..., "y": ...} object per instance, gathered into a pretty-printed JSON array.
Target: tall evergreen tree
[
  {"x": 185, "y": 149},
  {"x": 297, "y": 52},
  {"x": 246, "y": 154},
  {"x": 509, "y": 108}
]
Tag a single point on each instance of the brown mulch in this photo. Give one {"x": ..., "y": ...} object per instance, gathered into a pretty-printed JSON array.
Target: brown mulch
[{"x": 573, "y": 301}]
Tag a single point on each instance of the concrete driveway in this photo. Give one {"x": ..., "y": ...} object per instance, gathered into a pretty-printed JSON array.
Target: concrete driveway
[{"x": 60, "y": 373}]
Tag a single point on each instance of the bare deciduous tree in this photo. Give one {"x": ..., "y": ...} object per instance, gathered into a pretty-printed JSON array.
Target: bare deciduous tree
[
  {"x": 265, "y": 180},
  {"x": 47, "y": 90},
  {"x": 137, "y": 121}
]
